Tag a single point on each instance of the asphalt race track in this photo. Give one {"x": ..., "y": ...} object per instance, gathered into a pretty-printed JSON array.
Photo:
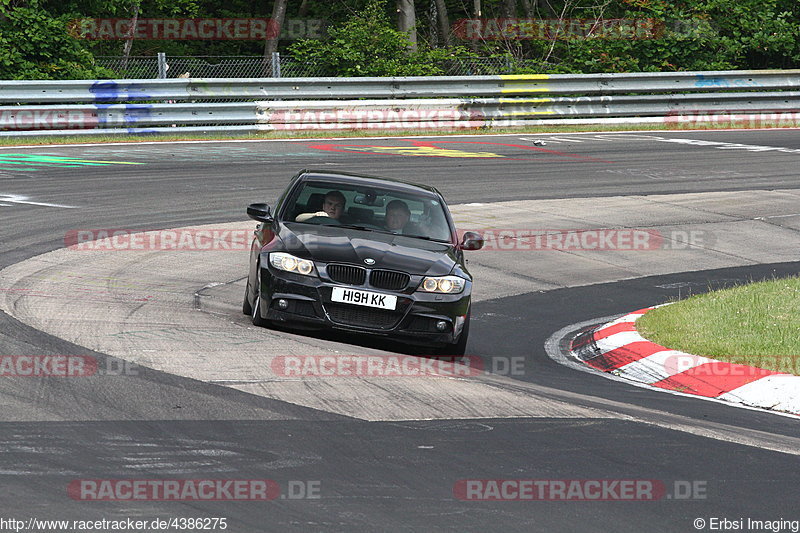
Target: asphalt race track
[{"x": 187, "y": 388}]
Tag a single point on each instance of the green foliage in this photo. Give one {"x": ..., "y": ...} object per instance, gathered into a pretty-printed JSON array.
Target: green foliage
[
  {"x": 693, "y": 35},
  {"x": 368, "y": 45},
  {"x": 737, "y": 324},
  {"x": 363, "y": 39},
  {"x": 36, "y": 45}
]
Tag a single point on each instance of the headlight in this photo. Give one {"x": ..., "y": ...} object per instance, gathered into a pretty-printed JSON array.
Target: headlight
[
  {"x": 443, "y": 284},
  {"x": 290, "y": 263}
]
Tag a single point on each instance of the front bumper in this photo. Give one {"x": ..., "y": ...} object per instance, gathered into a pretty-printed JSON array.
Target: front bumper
[{"x": 309, "y": 305}]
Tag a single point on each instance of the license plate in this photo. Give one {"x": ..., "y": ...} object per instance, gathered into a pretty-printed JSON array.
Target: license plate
[{"x": 369, "y": 299}]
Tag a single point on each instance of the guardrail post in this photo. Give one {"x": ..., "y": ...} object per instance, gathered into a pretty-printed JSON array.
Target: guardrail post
[
  {"x": 162, "y": 65},
  {"x": 276, "y": 64}
]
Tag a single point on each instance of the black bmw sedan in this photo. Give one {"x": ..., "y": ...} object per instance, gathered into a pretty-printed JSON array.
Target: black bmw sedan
[{"x": 363, "y": 254}]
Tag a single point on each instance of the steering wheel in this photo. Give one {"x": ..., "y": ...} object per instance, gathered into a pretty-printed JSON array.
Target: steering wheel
[
  {"x": 323, "y": 221},
  {"x": 369, "y": 226}
]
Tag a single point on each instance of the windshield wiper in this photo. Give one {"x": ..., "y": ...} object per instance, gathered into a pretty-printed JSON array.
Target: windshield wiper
[
  {"x": 355, "y": 226},
  {"x": 364, "y": 228},
  {"x": 423, "y": 237}
]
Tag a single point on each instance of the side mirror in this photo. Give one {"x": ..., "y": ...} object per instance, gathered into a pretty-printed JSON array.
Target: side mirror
[
  {"x": 471, "y": 241},
  {"x": 259, "y": 212}
]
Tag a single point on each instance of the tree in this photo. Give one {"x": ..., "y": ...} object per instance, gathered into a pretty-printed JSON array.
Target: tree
[
  {"x": 35, "y": 42},
  {"x": 126, "y": 49},
  {"x": 368, "y": 45},
  {"x": 443, "y": 21},
  {"x": 35, "y": 45},
  {"x": 407, "y": 21},
  {"x": 278, "y": 16},
  {"x": 509, "y": 8}
]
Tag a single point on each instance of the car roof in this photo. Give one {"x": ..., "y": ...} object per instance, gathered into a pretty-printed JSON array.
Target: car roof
[{"x": 362, "y": 179}]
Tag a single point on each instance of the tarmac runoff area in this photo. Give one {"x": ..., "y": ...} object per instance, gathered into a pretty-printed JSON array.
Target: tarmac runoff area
[{"x": 180, "y": 311}]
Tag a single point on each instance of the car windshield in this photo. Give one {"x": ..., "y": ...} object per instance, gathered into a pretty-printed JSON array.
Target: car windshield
[{"x": 369, "y": 209}]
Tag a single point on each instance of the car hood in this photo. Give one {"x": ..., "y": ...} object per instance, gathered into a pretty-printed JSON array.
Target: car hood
[{"x": 332, "y": 244}]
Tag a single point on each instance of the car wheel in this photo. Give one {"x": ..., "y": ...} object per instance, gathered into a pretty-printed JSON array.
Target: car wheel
[
  {"x": 247, "y": 309},
  {"x": 460, "y": 347},
  {"x": 255, "y": 314}
]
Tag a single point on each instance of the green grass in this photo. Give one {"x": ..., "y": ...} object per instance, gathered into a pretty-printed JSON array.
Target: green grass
[
  {"x": 756, "y": 325},
  {"x": 321, "y": 134}
]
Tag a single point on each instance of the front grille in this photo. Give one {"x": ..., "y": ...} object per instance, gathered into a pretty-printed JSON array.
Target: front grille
[
  {"x": 366, "y": 317},
  {"x": 389, "y": 280},
  {"x": 350, "y": 275}
]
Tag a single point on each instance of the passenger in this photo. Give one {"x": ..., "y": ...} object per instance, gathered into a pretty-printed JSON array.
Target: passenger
[{"x": 397, "y": 216}]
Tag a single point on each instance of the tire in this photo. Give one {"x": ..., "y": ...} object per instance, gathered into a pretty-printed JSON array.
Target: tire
[
  {"x": 255, "y": 314},
  {"x": 247, "y": 309},
  {"x": 460, "y": 347}
]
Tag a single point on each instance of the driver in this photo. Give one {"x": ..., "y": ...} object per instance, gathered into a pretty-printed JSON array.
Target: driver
[{"x": 332, "y": 206}]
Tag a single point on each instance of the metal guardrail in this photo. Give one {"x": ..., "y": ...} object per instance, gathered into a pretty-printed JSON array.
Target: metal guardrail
[
  {"x": 108, "y": 91},
  {"x": 137, "y": 106}
]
